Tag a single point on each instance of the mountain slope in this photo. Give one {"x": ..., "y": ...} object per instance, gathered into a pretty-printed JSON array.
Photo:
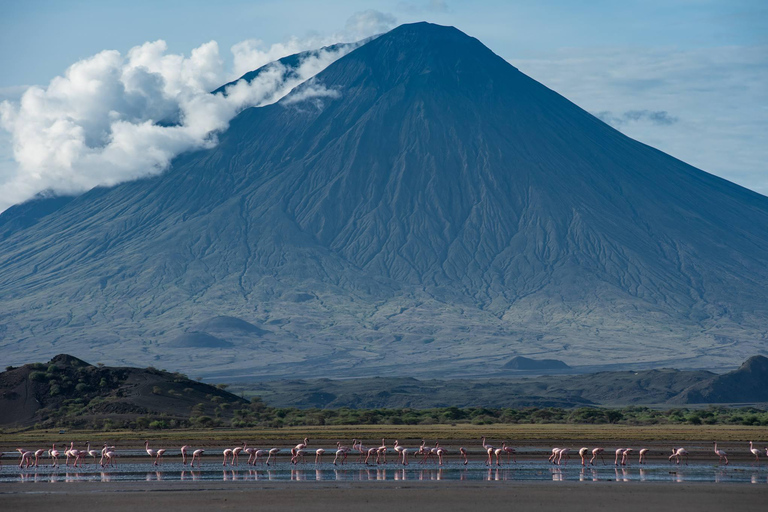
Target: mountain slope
[{"x": 444, "y": 212}]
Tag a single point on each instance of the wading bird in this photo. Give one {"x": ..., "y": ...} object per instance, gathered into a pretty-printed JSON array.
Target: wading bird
[
  {"x": 595, "y": 453},
  {"x": 721, "y": 454}
]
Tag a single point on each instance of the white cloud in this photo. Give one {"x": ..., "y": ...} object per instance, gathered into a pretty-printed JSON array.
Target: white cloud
[
  {"x": 716, "y": 96},
  {"x": 113, "y": 117},
  {"x": 369, "y": 22}
]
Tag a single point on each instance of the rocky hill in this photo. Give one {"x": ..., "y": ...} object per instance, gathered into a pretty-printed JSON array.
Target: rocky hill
[
  {"x": 69, "y": 391},
  {"x": 438, "y": 214}
]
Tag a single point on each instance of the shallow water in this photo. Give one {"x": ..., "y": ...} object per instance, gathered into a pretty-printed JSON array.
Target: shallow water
[{"x": 520, "y": 471}]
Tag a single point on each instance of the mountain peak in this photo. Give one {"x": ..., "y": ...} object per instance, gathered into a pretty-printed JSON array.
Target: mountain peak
[{"x": 425, "y": 53}]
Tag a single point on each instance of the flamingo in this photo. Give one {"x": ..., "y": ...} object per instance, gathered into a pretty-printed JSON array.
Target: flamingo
[
  {"x": 755, "y": 452},
  {"x": 463, "y": 455},
  {"x": 679, "y": 453},
  {"x": 77, "y": 454},
  {"x": 319, "y": 455},
  {"x": 382, "y": 452},
  {"x": 398, "y": 449},
  {"x": 92, "y": 453},
  {"x": 54, "y": 453},
  {"x": 555, "y": 453},
  {"x": 406, "y": 453},
  {"x": 619, "y": 453},
  {"x": 440, "y": 452},
  {"x": 228, "y": 453},
  {"x": 108, "y": 454},
  {"x": 342, "y": 452},
  {"x": 197, "y": 454},
  {"x": 432, "y": 451},
  {"x": 488, "y": 449},
  {"x": 273, "y": 454},
  {"x": 236, "y": 453},
  {"x": 583, "y": 454},
  {"x": 157, "y": 454},
  {"x": 297, "y": 454},
  {"x": 38, "y": 453},
  {"x": 184, "y": 454},
  {"x": 68, "y": 452},
  {"x": 565, "y": 452},
  {"x": 26, "y": 457},
  {"x": 360, "y": 448},
  {"x": 371, "y": 453},
  {"x": 721, "y": 454},
  {"x": 499, "y": 451},
  {"x": 625, "y": 456},
  {"x": 595, "y": 453},
  {"x": 510, "y": 452},
  {"x": 642, "y": 452},
  {"x": 422, "y": 450},
  {"x": 258, "y": 455}
]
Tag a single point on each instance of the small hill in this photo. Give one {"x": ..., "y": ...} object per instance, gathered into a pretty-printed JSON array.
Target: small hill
[
  {"x": 527, "y": 364},
  {"x": 747, "y": 384},
  {"x": 67, "y": 391}
]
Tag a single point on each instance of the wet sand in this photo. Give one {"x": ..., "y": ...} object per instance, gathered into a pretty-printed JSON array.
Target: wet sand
[{"x": 356, "y": 496}]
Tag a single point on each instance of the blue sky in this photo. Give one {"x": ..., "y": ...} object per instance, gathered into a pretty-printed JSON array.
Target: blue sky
[{"x": 687, "y": 76}]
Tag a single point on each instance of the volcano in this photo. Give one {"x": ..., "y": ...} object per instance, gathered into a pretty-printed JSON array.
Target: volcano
[{"x": 437, "y": 212}]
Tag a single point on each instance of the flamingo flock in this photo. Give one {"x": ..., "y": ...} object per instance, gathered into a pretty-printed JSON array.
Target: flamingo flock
[{"x": 373, "y": 455}]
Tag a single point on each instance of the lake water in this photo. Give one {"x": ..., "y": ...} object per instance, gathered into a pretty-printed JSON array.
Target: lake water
[{"x": 326, "y": 472}]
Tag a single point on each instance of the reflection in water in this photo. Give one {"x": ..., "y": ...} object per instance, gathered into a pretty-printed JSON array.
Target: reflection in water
[{"x": 524, "y": 471}]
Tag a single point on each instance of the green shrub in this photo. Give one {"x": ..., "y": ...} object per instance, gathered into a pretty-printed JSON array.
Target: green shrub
[{"x": 38, "y": 377}]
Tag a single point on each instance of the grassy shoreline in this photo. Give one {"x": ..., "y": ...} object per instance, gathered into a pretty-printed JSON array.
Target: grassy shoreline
[{"x": 536, "y": 433}]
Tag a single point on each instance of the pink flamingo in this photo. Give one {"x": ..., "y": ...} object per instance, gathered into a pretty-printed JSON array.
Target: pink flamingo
[
  {"x": 77, "y": 454},
  {"x": 236, "y": 453},
  {"x": 273, "y": 454},
  {"x": 38, "y": 453},
  {"x": 341, "y": 452},
  {"x": 251, "y": 454},
  {"x": 228, "y": 453},
  {"x": 258, "y": 455},
  {"x": 679, "y": 453},
  {"x": 721, "y": 454},
  {"x": 595, "y": 453},
  {"x": 432, "y": 452},
  {"x": 499, "y": 451},
  {"x": 197, "y": 454},
  {"x": 69, "y": 452},
  {"x": 54, "y": 453},
  {"x": 382, "y": 452},
  {"x": 511, "y": 452},
  {"x": 26, "y": 457},
  {"x": 619, "y": 454},
  {"x": 625, "y": 456},
  {"x": 555, "y": 452},
  {"x": 440, "y": 452},
  {"x": 643, "y": 452},
  {"x": 583, "y": 452},
  {"x": 755, "y": 452},
  {"x": 157, "y": 454},
  {"x": 488, "y": 450},
  {"x": 565, "y": 452},
  {"x": 361, "y": 449},
  {"x": 108, "y": 455},
  {"x": 298, "y": 455},
  {"x": 319, "y": 455},
  {"x": 371, "y": 453},
  {"x": 422, "y": 450},
  {"x": 92, "y": 453},
  {"x": 184, "y": 454},
  {"x": 463, "y": 455},
  {"x": 398, "y": 449}
]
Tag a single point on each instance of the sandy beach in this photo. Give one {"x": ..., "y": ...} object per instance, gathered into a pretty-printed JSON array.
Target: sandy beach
[{"x": 355, "y": 496}]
